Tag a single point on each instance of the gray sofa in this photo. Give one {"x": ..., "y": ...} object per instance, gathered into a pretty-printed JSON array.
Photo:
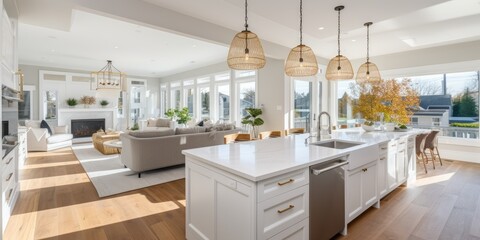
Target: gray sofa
[{"x": 148, "y": 150}]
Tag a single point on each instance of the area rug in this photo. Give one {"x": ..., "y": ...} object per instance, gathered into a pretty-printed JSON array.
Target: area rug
[{"x": 110, "y": 177}]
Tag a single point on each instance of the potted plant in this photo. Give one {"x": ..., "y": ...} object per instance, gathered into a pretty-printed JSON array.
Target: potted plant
[
  {"x": 182, "y": 115},
  {"x": 87, "y": 101},
  {"x": 104, "y": 103},
  {"x": 72, "y": 102},
  {"x": 368, "y": 126},
  {"x": 170, "y": 113},
  {"x": 253, "y": 120},
  {"x": 135, "y": 127}
]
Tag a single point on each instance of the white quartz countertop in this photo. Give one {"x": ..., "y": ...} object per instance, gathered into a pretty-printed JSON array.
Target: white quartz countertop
[{"x": 262, "y": 159}]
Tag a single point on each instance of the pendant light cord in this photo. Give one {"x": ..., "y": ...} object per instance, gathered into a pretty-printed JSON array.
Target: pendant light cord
[
  {"x": 246, "y": 16},
  {"x": 368, "y": 43},
  {"x": 301, "y": 22},
  {"x": 338, "y": 36}
]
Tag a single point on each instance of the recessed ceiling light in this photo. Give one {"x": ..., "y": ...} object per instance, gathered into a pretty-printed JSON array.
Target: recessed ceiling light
[
  {"x": 353, "y": 40},
  {"x": 194, "y": 46},
  {"x": 115, "y": 47},
  {"x": 321, "y": 28}
]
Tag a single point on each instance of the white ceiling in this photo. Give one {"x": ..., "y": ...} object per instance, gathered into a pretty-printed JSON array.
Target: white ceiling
[
  {"x": 398, "y": 25},
  {"x": 157, "y": 37},
  {"x": 136, "y": 50}
]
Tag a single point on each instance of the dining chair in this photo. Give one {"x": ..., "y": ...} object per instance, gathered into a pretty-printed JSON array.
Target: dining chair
[
  {"x": 431, "y": 144},
  {"x": 271, "y": 134},
  {"x": 419, "y": 146}
]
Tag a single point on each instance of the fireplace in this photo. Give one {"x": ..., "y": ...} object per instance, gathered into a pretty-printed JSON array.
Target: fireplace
[
  {"x": 86, "y": 127},
  {"x": 4, "y": 128}
]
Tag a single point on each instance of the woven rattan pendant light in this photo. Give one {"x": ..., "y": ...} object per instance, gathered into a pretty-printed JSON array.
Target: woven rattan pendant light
[
  {"x": 368, "y": 71},
  {"x": 339, "y": 67},
  {"x": 246, "y": 52},
  {"x": 301, "y": 62}
]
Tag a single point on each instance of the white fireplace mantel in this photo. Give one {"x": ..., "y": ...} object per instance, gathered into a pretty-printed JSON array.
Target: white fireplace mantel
[{"x": 65, "y": 115}]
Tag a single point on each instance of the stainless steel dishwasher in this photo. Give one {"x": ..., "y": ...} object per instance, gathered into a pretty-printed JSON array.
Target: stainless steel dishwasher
[{"x": 327, "y": 199}]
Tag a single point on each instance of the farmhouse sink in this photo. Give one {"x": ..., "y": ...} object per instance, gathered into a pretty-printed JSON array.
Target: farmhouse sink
[{"x": 336, "y": 143}]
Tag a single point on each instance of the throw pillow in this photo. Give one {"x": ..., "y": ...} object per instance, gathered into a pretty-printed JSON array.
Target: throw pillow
[
  {"x": 44, "y": 124},
  {"x": 180, "y": 131},
  {"x": 152, "y": 122},
  {"x": 200, "y": 124},
  {"x": 163, "y": 122}
]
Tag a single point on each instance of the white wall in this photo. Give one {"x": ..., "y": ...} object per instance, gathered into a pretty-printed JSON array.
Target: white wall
[{"x": 32, "y": 78}]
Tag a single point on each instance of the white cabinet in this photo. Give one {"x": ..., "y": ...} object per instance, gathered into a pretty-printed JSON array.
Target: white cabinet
[
  {"x": 210, "y": 197},
  {"x": 361, "y": 190},
  {"x": 9, "y": 185},
  {"x": 224, "y": 206}
]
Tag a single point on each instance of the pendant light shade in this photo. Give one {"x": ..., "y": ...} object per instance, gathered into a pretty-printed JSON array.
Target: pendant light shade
[
  {"x": 301, "y": 61},
  {"x": 339, "y": 67},
  {"x": 368, "y": 71},
  {"x": 246, "y": 52}
]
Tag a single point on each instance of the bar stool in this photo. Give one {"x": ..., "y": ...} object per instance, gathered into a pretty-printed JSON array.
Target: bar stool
[
  {"x": 431, "y": 143},
  {"x": 236, "y": 137},
  {"x": 271, "y": 134},
  {"x": 419, "y": 146},
  {"x": 295, "y": 131}
]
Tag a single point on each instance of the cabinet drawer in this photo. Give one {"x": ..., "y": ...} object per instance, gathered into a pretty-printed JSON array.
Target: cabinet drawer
[
  {"x": 298, "y": 231},
  {"x": 8, "y": 176},
  {"x": 382, "y": 148},
  {"x": 9, "y": 159},
  {"x": 281, "y": 212},
  {"x": 275, "y": 186}
]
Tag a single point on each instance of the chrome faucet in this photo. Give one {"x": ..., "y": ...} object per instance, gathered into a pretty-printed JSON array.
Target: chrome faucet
[{"x": 319, "y": 127}]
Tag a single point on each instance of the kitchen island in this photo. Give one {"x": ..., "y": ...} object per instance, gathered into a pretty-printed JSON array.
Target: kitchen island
[{"x": 260, "y": 189}]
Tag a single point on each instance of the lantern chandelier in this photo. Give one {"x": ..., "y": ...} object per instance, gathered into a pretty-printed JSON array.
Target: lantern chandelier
[
  {"x": 339, "y": 67},
  {"x": 246, "y": 52},
  {"x": 108, "y": 78},
  {"x": 301, "y": 61},
  {"x": 368, "y": 71}
]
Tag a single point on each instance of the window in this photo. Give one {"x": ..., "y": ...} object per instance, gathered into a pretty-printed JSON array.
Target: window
[
  {"x": 302, "y": 104},
  {"x": 205, "y": 102},
  {"x": 453, "y": 99},
  {"x": 222, "y": 77},
  {"x": 414, "y": 121},
  {"x": 25, "y": 107},
  {"x": 163, "y": 99},
  {"x": 189, "y": 96},
  {"x": 345, "y": 102},
  {"x": 203, "y": 80},
  {"x": 246, "y": 95},
  {"x": 223, "y": 100},
  {"x": 176, "y": 98},
  {"x": 51, "y": 104},
  {"x": 241, "y": 74}
]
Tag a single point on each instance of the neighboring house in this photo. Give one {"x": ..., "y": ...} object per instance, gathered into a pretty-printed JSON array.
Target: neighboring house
[{"x": 435, "y": 110}]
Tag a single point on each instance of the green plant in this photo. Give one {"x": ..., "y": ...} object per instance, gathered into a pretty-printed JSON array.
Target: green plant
[
  {"x": 135, "y": 127},
  {"x": 253, "y": 120},
  {"x": 465, "y": 125},
  {"x": 182, "y": 115},
  {"x": 104, "y": 103},
  {"x": 72, "y": 102},
  {"x": 170, "y": 113},
  {"x": 368, "y": 123}
]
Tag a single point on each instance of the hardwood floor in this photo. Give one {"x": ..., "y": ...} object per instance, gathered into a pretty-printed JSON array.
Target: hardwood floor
[{"x": 58, "y": 201}]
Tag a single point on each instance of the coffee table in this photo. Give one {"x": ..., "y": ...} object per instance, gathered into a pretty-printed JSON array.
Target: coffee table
[{"x": 114, "y": 144}]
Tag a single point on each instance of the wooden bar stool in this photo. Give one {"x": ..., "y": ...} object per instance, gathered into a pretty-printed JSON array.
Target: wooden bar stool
[
  {"x": 419, "y": 146},
  {"x": 236, "y": 137},
  {"x": 431, "y": 144},
  {"x": 271, "y": 134},
  {"x": 295, "y": 131}
]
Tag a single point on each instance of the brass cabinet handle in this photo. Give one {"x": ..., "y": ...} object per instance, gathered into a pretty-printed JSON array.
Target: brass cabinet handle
[
  {"x": 286, "y": 209},
  {"x": 291, "y": 180},
  {"x": 9, "y": 176},
  {"x": 383, "y": 158},
  {"x": 9, "y": 160},
  {"x": 365, "y": 169},
  {"x": 384, "y": 148}
]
